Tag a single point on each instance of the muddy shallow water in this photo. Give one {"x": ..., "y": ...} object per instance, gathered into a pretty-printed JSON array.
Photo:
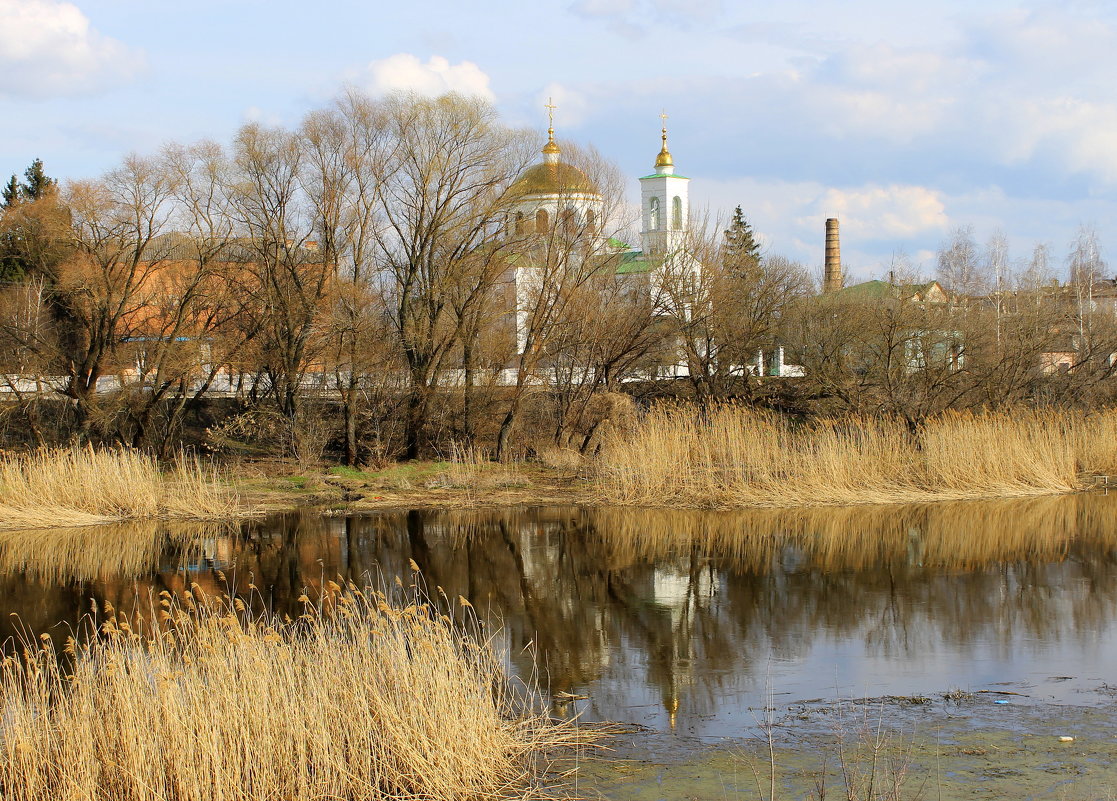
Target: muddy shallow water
[{"x": 987, "y": 620}]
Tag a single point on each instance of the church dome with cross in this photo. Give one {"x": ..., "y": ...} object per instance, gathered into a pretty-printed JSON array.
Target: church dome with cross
[{"x": 554, "y": 192}]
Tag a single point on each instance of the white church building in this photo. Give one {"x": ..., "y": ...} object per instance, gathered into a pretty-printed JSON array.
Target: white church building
[{"x": 554, "y": 195}]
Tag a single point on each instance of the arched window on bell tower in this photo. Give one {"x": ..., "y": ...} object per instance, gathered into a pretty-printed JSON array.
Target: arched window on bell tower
[
  {"x": 677, "y": 213},
  {"x": 591, "y": 222},
  {"x": 653, "y": 214},
  {"x": 520, "y": 225},
  {"x": 542, "y": 221}
]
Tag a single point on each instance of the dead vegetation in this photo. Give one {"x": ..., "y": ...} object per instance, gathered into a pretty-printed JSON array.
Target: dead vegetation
[
  {"x": 364, "y": 696},
  {"x": 82, "y": 486},
  {"x": 730, "y": 456}
]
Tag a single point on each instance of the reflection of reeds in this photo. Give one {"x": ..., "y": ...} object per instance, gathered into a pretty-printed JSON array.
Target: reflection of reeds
[
  {"x": 732, "y": 456},
  {"x": 77, "y": 487},
  {"x": 952, "y": 536},
  {"x": 358, "y": 698},
  {"x": 122, "y": 550}
]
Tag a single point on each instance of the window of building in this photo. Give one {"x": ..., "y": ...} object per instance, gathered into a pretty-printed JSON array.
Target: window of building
[
  {"x": 568, "y": 220},
  {"x": 677, "y": 213},
  {"x": 519, "y": 222},
  {"x": 591, "y": 222},
  {"x": 653, "y": 216},
  {"x": 542, "y": 221}
]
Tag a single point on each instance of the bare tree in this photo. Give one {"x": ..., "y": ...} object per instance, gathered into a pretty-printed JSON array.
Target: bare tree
[
  {"x": 98, "y": 295},
  {"x": 725, "y": 307},
  {"x": 959, "y": 265},
  {"x": 287, "y": 281},
  {"x": 1037, "y": 274},
  {"x": 443, "y": 223}
]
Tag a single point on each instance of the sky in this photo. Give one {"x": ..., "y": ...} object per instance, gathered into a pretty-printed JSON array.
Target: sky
[{"x": 902, "y": 119}]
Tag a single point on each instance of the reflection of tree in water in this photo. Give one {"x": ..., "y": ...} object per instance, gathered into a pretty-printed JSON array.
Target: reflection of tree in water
[{"x": 678, "y": 601}]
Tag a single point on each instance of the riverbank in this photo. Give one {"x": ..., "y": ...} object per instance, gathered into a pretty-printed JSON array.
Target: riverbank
[
  {"x": 738, "y": 458},
  {"x": 275, "y": 485}
]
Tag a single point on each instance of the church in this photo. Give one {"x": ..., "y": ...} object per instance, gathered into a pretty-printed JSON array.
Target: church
[{"x": 555, "y": 197}]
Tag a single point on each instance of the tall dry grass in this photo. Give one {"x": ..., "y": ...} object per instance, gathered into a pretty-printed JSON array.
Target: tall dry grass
[
  {"x": 359, "y": 698},
  {"x": 83, "y": 486},
  {"x": 736, "y": 457},
  {"x": 473, "y": 468}
]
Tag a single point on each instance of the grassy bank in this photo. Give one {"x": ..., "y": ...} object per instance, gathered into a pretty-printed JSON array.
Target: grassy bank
[
  {"x": 359, "y": 698},
  {"x": 735, "y": 457},
  {"x": 82, "y": 486}
]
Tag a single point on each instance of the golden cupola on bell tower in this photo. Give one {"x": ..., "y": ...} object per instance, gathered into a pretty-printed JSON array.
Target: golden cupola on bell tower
[
  {"x": 664, "y": 201},
  {"x": 663, "y": 162}
]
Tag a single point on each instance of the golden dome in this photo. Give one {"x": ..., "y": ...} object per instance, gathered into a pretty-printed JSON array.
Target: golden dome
[
  {"x": 552, "y": 179},
  {"x": 664, "y": 158},
  {"x": 551, "y": 147}
]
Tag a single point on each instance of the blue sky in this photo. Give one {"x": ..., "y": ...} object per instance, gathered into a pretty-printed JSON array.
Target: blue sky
[{"x": 902, "y": 118}]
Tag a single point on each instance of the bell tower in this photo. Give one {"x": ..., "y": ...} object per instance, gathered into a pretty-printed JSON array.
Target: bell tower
[{"x": 664, "y": 205}]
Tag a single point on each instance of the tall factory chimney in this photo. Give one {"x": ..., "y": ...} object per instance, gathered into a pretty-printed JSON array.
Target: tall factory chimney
[{"x": 832, "y": 277}]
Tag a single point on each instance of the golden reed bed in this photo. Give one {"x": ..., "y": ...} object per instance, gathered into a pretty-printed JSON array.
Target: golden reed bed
[
  {"x": 736, "y": 457},
  {"x": 83, "y": 486},
  {"x": 359, "y": 698}
]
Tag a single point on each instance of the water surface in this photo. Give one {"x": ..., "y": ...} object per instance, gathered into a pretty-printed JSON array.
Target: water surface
[{"x": 673, "y": 620}]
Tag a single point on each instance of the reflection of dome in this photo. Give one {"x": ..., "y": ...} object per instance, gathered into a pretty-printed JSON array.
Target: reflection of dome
[{"x": 552, "y": 179}]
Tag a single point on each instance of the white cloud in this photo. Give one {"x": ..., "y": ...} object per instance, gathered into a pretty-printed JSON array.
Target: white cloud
[
  {"x": 884, "y": 212},
  {"x": 49, "y": 49},
  {"x": 405, "y": 72}
]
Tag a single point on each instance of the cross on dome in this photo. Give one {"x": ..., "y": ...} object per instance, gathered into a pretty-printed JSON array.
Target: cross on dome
[
  {"x": 664, "y": 158},
  {"x": 550, "y": 149}
]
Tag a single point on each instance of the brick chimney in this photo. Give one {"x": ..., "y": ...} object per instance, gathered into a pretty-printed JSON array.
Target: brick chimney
[{"x": 832, "y": 276}]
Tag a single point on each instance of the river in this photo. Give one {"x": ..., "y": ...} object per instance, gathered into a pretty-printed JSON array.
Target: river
[{"x": 679, "y": 621}]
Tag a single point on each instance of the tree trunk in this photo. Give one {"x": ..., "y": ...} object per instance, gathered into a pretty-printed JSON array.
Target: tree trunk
[
  {"x": 468, "y": 399},
  {"x": 504, "y": 437},
  {"x": 413, "y": 421},
  {"x": 350, "y": 409}
]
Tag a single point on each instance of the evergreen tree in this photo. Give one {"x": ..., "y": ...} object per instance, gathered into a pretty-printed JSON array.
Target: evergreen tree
[
  {"x": 38, "y": 183},
  {"x": 10, "y": 194},
  {"x": 741, "y": 244}
]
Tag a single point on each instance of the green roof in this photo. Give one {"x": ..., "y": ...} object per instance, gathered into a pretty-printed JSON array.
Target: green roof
[
  {"x": 616, "y": 243},
  {"x": 632, "y": 263},
  {"x": 663, "y": 175},
  {"x": 879, "y": 290}
]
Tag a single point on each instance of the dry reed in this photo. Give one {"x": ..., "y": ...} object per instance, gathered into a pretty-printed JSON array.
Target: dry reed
[
  {"x": 735, "y": 457},
  {"x": 360, "y": 698},
  {"x": 472, "y": 468},
  {"x": 82, "y": 486}
]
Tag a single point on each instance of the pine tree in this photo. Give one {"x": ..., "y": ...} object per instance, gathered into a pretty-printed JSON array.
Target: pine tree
[
  {"x": 38, "y": 183},
  {"x": 741, "y": 244},
  {"x": 10, "y": 194}
]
